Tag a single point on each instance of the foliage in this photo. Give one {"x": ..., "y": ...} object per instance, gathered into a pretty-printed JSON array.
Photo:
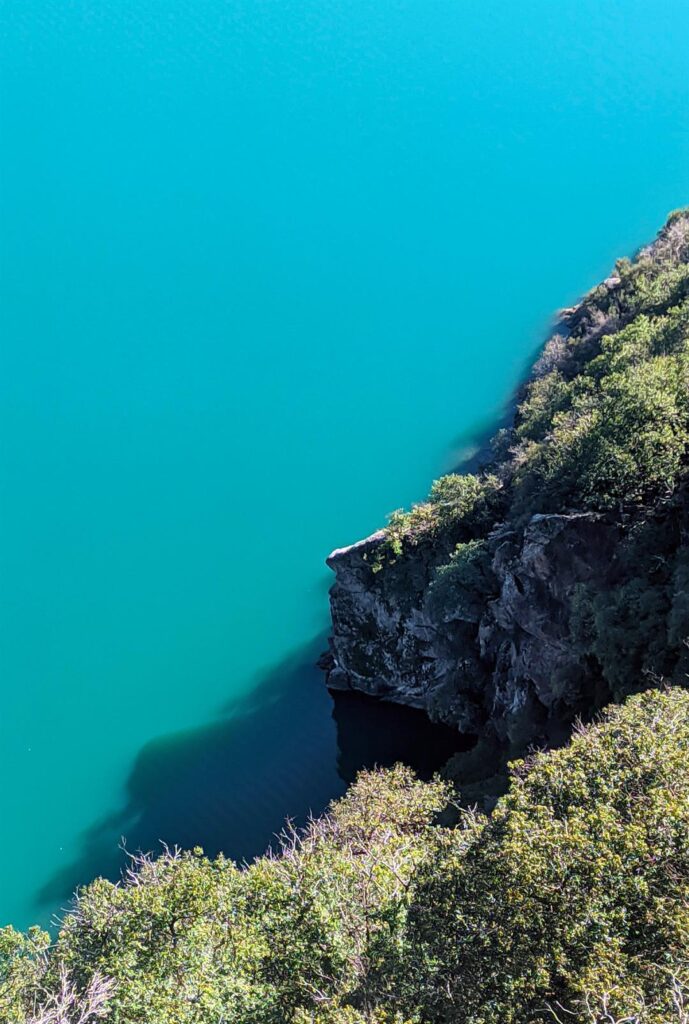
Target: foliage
[
  {"x": 619, "y": 438},
  {"x": 464, "y": 503},
  {"x": 188, "y": 940},
  {"x": 462, "y": 586},
  {"x": 604, "y": 420},
  {"x": 569, "y": 903},
  {"x": 635, "y": 627},
  {"x": 574, "y": 895},
  {"x": 22, "y": 964}
]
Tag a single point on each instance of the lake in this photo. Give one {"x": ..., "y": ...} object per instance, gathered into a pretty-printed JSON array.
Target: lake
[{"x": 267, "y": 269}]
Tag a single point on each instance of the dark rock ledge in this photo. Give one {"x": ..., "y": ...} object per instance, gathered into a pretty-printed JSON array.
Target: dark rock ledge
[{"x": 508, "y": 670}]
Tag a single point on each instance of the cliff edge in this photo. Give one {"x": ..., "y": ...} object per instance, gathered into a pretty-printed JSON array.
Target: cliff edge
[{"x": 551, "y": 582}]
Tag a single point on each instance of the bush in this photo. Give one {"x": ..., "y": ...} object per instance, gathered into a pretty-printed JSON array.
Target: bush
[
  {"x": 456, "y": 502},
  {"x": 461, "y": 588},
  {"x": 186, "y": 940},
  {"x": 572, "y": 901}
]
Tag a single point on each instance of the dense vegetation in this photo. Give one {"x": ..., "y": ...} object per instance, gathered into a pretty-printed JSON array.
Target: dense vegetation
[{"x": 570, "y": 903}]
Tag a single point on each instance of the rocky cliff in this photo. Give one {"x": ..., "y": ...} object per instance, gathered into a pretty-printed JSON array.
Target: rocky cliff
[
  {"x": 516, "y": 620},
  {"x": 512, "y": 664}
]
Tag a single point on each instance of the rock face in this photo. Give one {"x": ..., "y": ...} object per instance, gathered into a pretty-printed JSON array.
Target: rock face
[{"x": 510, "y": 666}]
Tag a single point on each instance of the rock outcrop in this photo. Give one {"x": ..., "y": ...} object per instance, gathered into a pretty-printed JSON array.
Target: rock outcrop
[{"x": 512, "y": 666}]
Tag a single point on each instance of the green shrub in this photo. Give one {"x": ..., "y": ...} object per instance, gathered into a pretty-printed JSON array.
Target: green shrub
[
  {"x": 456, "y": 502},
  {"x": 461, "y": 588},
  {"x": 22, "y": 966},
  {"x": 572, "y": 901},
  {"x": 569, "y": 903},
  {"x": 187, "y": 940}
]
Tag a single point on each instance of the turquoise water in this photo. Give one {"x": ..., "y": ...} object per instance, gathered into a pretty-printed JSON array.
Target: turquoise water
[{"x": 267, "y": 268}]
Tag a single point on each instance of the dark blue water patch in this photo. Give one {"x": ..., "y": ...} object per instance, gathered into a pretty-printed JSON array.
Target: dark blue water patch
[
  {"x": 226, "y": 786},
  {"x": 284, "y": 750}
]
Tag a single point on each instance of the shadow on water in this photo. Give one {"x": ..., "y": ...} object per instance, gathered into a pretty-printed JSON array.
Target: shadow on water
[
  {"x": 227, "y": 785},
  {"x": 283, "y": 750}
]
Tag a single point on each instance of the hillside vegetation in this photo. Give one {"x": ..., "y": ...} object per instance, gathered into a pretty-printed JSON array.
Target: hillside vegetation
[{"x": 570, "y": 903}]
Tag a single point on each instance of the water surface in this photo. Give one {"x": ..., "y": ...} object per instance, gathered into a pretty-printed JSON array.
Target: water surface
[{"x": 267, "y": 268}]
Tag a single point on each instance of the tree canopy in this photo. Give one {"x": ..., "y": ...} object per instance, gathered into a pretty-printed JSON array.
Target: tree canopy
[{"x": 569, "y": 903}]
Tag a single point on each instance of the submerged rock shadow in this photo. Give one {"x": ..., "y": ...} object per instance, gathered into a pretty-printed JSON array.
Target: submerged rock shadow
[
  {"x": 227, "y": 786},
  {"x": 285, "y": 749}
]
